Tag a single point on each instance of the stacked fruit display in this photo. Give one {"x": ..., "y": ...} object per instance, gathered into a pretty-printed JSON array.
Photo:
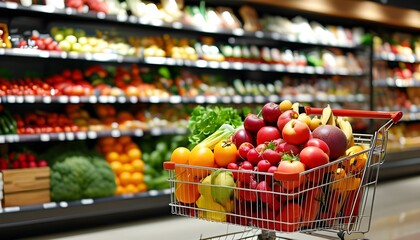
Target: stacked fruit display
[
  {"x": 25, "y": 86},
  {"x": 38, "y": 41},
  {"x": 125, "y": 159},
  {"x": 282, "y": 165},
  {"x": 44, "y": 122}
]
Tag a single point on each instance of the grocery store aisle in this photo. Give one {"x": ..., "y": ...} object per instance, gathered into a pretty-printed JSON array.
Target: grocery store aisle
[{"x": 396, "y": 216}]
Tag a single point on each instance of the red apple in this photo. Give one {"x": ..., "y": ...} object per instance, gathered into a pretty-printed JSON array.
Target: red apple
[
  {"x": 253, "y": 156},
  {"x": 272, "y": 156},
  {"x": 233, "y": 166},
  {"x": 241, "y": 136},
  {"x": 253, "y": 123},
  {"x": 296, "y": 132},
  {"x": 285, "y": 117},
  {"x": 267, "y": 134},
  {"x": 270, "y": 112}
]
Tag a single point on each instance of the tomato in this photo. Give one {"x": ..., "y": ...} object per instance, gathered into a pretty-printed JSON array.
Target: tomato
[
  {"x": 224, "y": 153},
  {"x": 244, "y": 149},
  {"x": 316, "y": 142},
  {"x": 291, "y": 167},
  {"x": 313, "y": 157}
]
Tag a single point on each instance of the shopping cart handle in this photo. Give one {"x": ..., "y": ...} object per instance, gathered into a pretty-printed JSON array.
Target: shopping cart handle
[
  {"x": 168, "y": 165},
  {"x": 395, "y": 116}
]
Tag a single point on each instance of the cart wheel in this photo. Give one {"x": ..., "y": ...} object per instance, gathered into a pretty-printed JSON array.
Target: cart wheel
[
  {"x": 343, "y": 235},
  {"x": 267, "y": 235}
]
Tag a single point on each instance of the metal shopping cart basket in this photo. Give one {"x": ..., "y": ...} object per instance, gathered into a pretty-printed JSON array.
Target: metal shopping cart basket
[{"x": 335, "y": 199}]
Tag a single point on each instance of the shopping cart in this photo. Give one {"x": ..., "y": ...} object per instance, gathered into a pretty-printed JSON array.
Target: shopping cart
[{"x": 326, "y": 201}]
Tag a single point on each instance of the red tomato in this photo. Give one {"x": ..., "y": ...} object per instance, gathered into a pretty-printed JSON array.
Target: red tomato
[
  {"x": 291, "y": 167},
  {"x": 313, "y": 157},
  {"x": 316, "y": 142}
]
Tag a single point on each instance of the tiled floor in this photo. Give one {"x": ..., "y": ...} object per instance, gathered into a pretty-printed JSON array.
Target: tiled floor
[{"x": 396, "y": 217}]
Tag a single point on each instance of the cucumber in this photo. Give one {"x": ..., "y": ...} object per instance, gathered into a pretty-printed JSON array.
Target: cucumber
[
  {"x": 10, "y": 121},
  {"x": 4, "y": 126}
]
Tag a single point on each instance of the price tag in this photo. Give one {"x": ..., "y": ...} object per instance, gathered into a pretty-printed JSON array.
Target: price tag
[
  {"x": 260, "y": 99},
  {"x": 11, "y": 209},
  {"x": 63, "y": 204},
  {"x": 175, "y": 99},
  {"x": 200, "y": 99},
  {"x": 275, "y": 36},
  {"x": 49, "y": 205},
  {"x": 248, "y": 99},
  {"x": 214, "y": 64},
  {"x": 44, "y": 54},
  {"x": 11, "y": 99},
  {"x": 291, "y": 68},
  {"x": 153, "y": 193},
  {"x": 177, "y": 25},
  {"x": 134, "y": 99},
  {"x": 156, "y": 131},
  {"x": 237, "y": 99},
  {"x": 115, "y": 133},
  {"x": 81, "y": 135},
  {"x": 10, "y": 138},
  {"x": 70, "y": 136},
  {"x": 112, "y": 99},
  {"x": 154, "y": 99},
  {"x": 61, "y": 136},
  {"x": 259, "y": 34},
  {"x": 93, "y": 99},
  {"x": 238, "y": 65},
  {"x": 74, "y": 99},
  {"x": 63, "y": 99},
  {"x": 279, "y": 67},
  {"x": 211, "y": 99},
  {"x": 138, "y": 133},
  {"x": 238, "y": 32},
  {"x": 225, "y": 65},
  {"x": 201, "y": 63},
  {"x": 2, "y": 139},
  {"x": 44, "y": 137},
  {"x": 30, "y": 99},
  {"x": 103, "y": 99},
  {"x": 122, "y": 99},
  {"x": 20, "y": 99},
  {"x": 92, "y": 135},
  {"x": 226, "y": 99},
  {"x": 87, "y": 201},
  {"x": 122, "y": 17},
  {"x": 319, "y": 70},
  {"x": 264, "y": 67},
  {"x": 101, "y": 15}
]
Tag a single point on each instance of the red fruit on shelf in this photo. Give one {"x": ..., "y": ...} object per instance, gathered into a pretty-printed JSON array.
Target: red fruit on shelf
[{"x": 42, "y": 163}]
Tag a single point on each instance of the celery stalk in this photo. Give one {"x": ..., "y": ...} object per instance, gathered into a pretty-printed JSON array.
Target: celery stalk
[{"x": 225, "y": 131}]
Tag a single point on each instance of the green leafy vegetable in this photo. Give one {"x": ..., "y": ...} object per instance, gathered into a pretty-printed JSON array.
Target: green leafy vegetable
[{"x": 204, "y": 121}]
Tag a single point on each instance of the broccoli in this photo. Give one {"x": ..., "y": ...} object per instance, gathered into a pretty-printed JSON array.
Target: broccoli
[{"x": 80, "y": 174}]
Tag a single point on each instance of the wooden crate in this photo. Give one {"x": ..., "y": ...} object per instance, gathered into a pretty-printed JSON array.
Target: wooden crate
[{"x": 26, "y": 186}]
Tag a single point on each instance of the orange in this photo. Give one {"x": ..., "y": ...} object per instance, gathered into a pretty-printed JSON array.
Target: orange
[
  {"x": 124, "y": 158},
  {"x": 129, "y": 146},
  {"x": 106, "y": 148},
  {"x": 138, "y": 165},
  {"x": 125, "y": 178},
  {"x": 120, "y": 190},
  {"x": 127, "y": 167},
  {"x": 142, "y": 187},
  {"x": 106, "y": 141},
  {"x": 116, "y": 166},
  {"x": 131, "y": 188},
  {"x": 201, "y": 156},
  {"x": 134, "y": 153},
  {"x": 112, "y": 156},
  {"x": 137, "y": 178},
  {"x": 124, "y": 140},
  {"x": 180, "y": 155},
  {"x": 187, "y": 192},
  {"x": 118, "y": 148}
]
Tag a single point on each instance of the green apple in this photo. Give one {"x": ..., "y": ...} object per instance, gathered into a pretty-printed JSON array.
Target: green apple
[
  {"x": 83, "y": 40},
  {"x": 71, "y": 39},
  {"x": 65, "y": 45},
  {"x": 58, "y": 37},
  {"x": 87, "y": 48},
  {"x": 76, "y": 47},
  {"x": 93, "y": 41}
]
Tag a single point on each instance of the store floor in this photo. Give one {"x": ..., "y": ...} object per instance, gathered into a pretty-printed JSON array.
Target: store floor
[{"x": 396, "y": 216}]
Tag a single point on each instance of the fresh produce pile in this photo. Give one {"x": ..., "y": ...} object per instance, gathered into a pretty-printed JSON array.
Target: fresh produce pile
[
  {"x": 280, "y": 165},
  {"x": 125, "y": 159}
]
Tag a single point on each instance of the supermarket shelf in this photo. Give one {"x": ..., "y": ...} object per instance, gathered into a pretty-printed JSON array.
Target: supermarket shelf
[
  {"x": 396, "y": 57},
  {"x": 110, "y": 57},
  {"x": 396, "y": 82},
  {"x": 144, "y": 22},
  {"x": 12, "y": 99},
  {"x": 44, "y": 217},
  {"x": 84, "y": 135}
]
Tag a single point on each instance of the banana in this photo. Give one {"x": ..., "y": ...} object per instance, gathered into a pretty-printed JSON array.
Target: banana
[
  {"x": 216, "y": 213},
  {"x": 345, "y": 126},
  {"x": 223, "y": 184},
  {"x": 327, "y": 117},
  {"x": 295, "y": 107}
]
